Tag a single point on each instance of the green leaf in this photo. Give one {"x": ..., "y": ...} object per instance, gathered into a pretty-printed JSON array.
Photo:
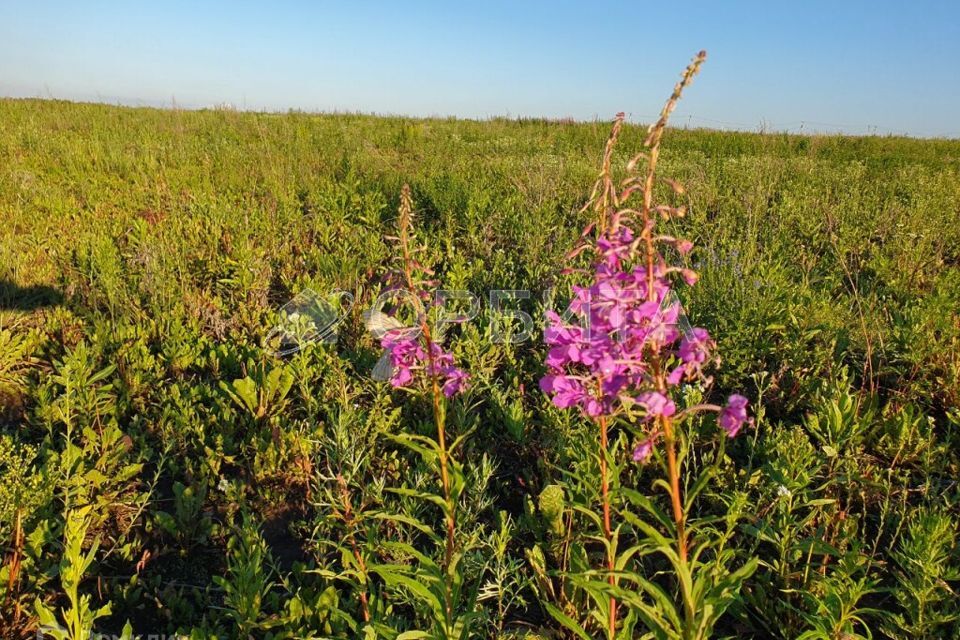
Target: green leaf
[
  {"x": 698, "y": 486},
  {"x": 418, "y": 589},
  {"x": 566, "y": 621},
  {"x": 421, "y": 495},
  {"x": 645, "y": 503}
]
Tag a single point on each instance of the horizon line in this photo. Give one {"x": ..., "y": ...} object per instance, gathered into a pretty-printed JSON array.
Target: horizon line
[{"x": 762, "y": 128}]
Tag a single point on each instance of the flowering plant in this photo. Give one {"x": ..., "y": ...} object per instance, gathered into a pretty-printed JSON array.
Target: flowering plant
[
  {"x": 410, "y": 360},
  {"x": 630, "y": 348},
  {"x": 413, "y": 355},
  {"x": 622, "y": 364},
  {"x": 413, "y": 359}
]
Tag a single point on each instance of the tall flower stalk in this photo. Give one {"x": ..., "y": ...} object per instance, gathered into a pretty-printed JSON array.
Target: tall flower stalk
[
  {"x": 624, "y": 360},
  {"x": 438, "y": 363},
  {"x": 418, "y": 362}
]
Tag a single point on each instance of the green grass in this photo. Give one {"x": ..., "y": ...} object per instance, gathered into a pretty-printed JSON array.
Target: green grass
[{"x": 154, "y": 247}]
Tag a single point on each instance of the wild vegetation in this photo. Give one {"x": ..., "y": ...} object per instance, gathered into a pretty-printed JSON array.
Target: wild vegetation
[{"x": 163, "y": 470}]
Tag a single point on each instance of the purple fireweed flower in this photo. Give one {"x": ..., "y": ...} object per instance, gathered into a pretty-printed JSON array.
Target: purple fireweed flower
[
  {"x": 405, "y": 355},
  {"x": 602, "y": 364},
  {"x": 734, "y": 415},
  {"x": 594, "y": 407},
  {"x": 695, "y": 347},
  {"x": 562, "y": 355},
  {"x": 596, "y": 368},
  {"x": 456, "y": 381},
  {"x": 656, "y": 404},
  {"x": 402, "y": 376},
  {"x": 643, "y": 450},
  {"x": 409, "y": 360},
  {"x": 694, "y": 351},
  {"x": 566, "y": 391},
  {"x": 598, "y": 364}
]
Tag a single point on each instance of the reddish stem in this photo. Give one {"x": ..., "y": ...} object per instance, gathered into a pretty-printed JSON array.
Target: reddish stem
[{"x": 607, "y": 529}]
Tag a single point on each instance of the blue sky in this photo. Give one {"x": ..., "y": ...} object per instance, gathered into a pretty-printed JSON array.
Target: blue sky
[{"x": 857, "y": 67}]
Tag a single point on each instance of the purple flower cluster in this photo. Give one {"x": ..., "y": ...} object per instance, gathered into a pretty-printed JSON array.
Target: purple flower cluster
[
  {"x": 604, "y": 363},
  {"x": 409, "y": 359}
]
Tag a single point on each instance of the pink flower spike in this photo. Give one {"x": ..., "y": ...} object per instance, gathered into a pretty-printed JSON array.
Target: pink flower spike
[
  {"x": 410, "y": 362},
  {"x": 684, "y": 247}
]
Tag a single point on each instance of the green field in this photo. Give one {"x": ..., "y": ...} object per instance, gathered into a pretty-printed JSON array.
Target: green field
[{"x": 144, "y": 254}]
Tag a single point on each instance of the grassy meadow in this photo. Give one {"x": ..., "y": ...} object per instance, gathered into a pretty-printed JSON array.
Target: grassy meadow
[{"x": 162, "y": 471}]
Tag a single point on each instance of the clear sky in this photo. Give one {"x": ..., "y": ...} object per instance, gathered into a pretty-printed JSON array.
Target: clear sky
[{"x": 857, "y": 67}]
